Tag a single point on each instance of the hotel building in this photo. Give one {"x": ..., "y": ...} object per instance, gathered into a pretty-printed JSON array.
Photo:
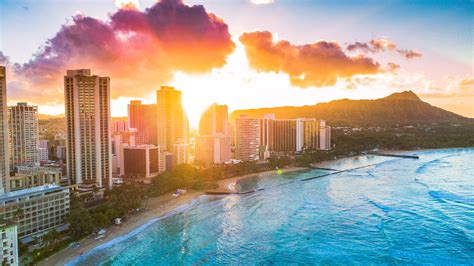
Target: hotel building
[
  {"x": 213, "y": 149},
  {"x": 24, "y": 141},
  {"x": 9, "y": 243},
  {"x": 172, "y": 122},
  {"x": 119, "y": 126},
  {"x": 213, "y": 144},
  {"x": 34, "y": 176},
  {"x": 214, "y": 120},
  {"x": 141, "y": 161},
  {"x": 247, "y": 138},
  {"x": 143, "y": 117},
  {"x": 180, "y": 153},
  {"x": 61, "y": 152},
  {"x": 35, "y": 210},
  {"x": 291, "y": 135},
  {"x": 325, "y": 139},
  {"x": 4, "y": 149},
  {"x": 43, "y": 151},
  {"x": 89, "y": 151}
]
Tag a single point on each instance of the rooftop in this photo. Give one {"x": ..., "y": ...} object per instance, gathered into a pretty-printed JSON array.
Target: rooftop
[{"x": 30, "y": 191}]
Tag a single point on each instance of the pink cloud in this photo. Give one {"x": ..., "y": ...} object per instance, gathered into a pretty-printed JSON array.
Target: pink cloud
[{"x": 139, "y": 50}]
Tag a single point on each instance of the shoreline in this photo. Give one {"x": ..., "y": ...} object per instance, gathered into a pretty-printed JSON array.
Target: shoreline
[
  {"x": 155, "y": 208},
  {"x": 230, "y": 183},
  {"x": 165, "y": 205}
]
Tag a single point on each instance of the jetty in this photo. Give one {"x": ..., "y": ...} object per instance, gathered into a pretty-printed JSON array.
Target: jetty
[
  {"x": 220, "y": 192},
  {"x": 407, "y": 156},
  {"x": 322, "y": 168},
  {"x": 337, "y": 172}
]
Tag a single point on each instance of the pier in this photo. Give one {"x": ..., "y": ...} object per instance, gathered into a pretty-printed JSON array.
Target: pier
[
  {"x": 220, "y": 192},
  {"x": 396, "y": 155},
  {"x": 337, "y": 172},
  {"x": 323, "y": 168}
]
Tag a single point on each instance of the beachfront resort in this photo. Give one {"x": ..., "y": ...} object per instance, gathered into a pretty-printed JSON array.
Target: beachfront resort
[{"x": 249, "y": 132}]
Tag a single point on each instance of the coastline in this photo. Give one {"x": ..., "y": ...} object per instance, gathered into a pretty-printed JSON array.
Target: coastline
[
  {"x": 155, "y": 208},
  {"x": 229, "y": 184},
  {"x": 165, "y": 205}
]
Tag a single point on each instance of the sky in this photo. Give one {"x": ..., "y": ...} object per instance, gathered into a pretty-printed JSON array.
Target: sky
[{"x": 243, "y": 53}]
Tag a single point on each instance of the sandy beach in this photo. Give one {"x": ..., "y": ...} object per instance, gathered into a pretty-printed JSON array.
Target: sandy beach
[
  {"x": 155, "y": 208},
  {"x": 161, "y": 206}
]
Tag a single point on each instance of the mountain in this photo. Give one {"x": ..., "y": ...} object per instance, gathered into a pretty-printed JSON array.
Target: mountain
[
  {"x": 403, "y": 107},
  {"x": 46, "y": 117}
]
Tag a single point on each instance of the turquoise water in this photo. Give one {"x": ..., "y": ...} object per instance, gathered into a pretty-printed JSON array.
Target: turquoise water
[{"x": 396, "y": 211}]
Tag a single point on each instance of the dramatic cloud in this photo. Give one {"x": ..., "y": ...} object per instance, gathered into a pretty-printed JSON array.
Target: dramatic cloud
[
  {"x": 139, "y": 50},
  {"x": 381, "y": 45},
  {"x": 317, "y": 64}
]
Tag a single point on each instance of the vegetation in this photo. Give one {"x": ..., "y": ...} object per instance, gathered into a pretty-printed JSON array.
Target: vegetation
[
  {"x": 190, "y": 177},
  {"x": 346, "y": 138},
  {"x": 350, "y": 141}
]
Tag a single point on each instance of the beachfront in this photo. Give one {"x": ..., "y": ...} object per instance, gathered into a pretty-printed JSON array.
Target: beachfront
[
  {"x": 163, "y": 205},
  {"x": 317, "y": 220},
  {"x": 155, "y": 208}
]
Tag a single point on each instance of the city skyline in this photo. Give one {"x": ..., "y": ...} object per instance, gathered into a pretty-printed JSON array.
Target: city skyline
[{"x": 230, "y": 64}]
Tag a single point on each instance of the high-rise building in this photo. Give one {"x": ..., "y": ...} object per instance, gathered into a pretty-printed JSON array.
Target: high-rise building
[
  {"x": 4, "y": 150},
  {"x": 325, "y": 139},
  {"x": 247, "y": 138},
  {"x": 24, "y": 138},
  {"x": 87, "y": 102},
  {"x": 119, "y": 126},
  {"x": 180, "y": 153},
  {"x": 61, "y": 152},
  {"x": 142, "y": 161},
  {"x": 9, "y": 240},
  {"x": 214, "y": 120},
  {"x": 213, "y": 144},
  {"x": 143, "y": 117},
  {"x": 289, "y": 135},
  {"x": 283, "y": 136},
  {"x": 212, "y": 149},
  {"x": 43, "y": 143},
  {"x": 266, "y": 125},
  {"x": 173, "y": 126},
  {"x": 43, "y": 154},
  {"x": 119, "y": 140}
]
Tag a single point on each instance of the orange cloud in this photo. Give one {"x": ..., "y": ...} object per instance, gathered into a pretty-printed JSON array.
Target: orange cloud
[
  {"x": 316, "y": 64},
  {"x": 139, "y": 50}
]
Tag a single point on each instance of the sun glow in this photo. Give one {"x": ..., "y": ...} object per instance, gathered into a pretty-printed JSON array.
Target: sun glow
[{"x": 127, "y": 4}]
